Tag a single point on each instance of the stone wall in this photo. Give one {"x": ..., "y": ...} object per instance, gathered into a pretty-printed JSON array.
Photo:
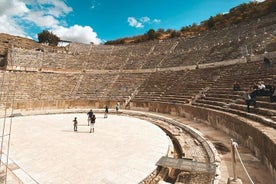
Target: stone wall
[
  {"x": 260, "y": 139},
  {"x": 47, "y": 106}
]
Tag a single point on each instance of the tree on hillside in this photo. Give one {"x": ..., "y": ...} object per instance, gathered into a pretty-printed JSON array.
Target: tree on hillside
[
  {"x": 48, "y": 37},
  {"x": 151, "y": 34},
  {"x": 175, "y": 34}
]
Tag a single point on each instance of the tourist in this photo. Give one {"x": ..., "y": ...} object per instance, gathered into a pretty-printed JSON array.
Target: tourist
[
  {"x": 90, "y": 114},
  {"x": 236, "y": 86},
  {"x": 250, "y": 99},
  {"x": 197, "y": 66},
  {"x": 106, "y": 111},
  {"x": 117, "y": 107},
  {"x": 273, "y": 96},
  {"x": 261, "y": 85},
  {"x": 202, "y": 95},
  {"x": 75, "y": 124},
  {"x": 266, "y": 62},
  {"x": 92, "y": 124}
]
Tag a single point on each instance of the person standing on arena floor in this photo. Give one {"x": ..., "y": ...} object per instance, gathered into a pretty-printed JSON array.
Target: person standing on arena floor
[
  {"x": 117, "y": 107},
  {"x": 75, "y": 124},
  {"x": 92, "y": 124},
  {"x": 106, "y": 112},
  {"x": 90, "y": 114}
]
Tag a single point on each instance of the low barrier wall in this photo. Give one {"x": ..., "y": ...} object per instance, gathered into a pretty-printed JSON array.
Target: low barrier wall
[
  {"x": 260, "y": 139},
  {"x": 52, "y": 105}
]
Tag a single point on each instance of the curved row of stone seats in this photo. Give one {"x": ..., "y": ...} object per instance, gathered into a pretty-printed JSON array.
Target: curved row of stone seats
[
  {"x": 24, "y": 86},
  {"x": 109, "y": 86},
  {"x": 125, "y": 85},
  {"x": 154, "y": 87},
  {"x": 176, "y": 86},
  {"x": 62, "y": 61},
  {"x": 153, "y": 61},
  {"x": 264, "y": 106},
  {"x": 261, "y": 110},
  {"x": 26, "y": 58},
  {"x": 147, "y": 55},
  {"x": 228, "y": 43},
  {"x": 7, "y": 86},
  {"x": 221, "y": 95},
  {"x": 77, "y": 48},
  {"x": 233, "y": 42},
  {"x": 258, "y": 137},
  {"x": 241, "y": 113},
  {"x": 192, "y": 82},
  {"x": 106, "y": 62},
  {"x": 52, "y": 60},
  {"x": 37, "y": 86},
  {"x": 35, "y": 90},
  {"x": 136, "y": 56},
  {"x": 99, "y": 86},
  {"x": 252, "y": 38},
  {"x": 93, "y": 86},
  {"x": 38, "y": 59}
]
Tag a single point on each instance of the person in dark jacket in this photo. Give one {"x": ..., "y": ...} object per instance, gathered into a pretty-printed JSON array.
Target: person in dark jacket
[
  {"x": 92, "y": 124},
  {"x": 106, "y": 111},
  {"x": 75, "y": 124},
  {"x": 90, "y": 114}
]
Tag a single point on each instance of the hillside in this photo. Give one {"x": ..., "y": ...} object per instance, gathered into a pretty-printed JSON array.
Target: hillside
[
  {"x": 243, "y": 13},
  {"x": 7, "y": 41}
]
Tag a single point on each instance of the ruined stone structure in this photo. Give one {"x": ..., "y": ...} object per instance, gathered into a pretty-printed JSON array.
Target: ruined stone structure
[{"x": 157, "y": 76}]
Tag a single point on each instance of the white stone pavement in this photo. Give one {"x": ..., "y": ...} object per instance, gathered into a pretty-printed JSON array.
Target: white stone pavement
[{"x": 123, "y": 150}]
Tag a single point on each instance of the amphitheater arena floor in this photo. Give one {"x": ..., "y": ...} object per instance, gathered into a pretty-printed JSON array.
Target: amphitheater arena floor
[{"x": 45, "y": 149}]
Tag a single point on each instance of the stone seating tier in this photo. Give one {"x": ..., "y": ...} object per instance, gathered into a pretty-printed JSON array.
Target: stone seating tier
[{"x": 212, "y": 46}]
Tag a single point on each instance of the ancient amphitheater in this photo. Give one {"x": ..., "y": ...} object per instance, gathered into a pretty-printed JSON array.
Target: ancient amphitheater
[{"x": 159, "y": 82}]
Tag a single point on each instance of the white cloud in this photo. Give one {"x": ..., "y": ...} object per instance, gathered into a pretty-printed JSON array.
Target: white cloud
[
  {"x": 77, "y": 33},
  {"x": 134, "y": 23},
  {"x": 43, "y": 14},
  {"x": 9, "y": 26},
  {"x": 94, "y": 4},
  {"x": 156, "y": 20},
  {"x": 13, "y": 7},
  {"x": 259, "y": 1},
  {"x": 56, "y": 8},
  {"x": 144, "y": 19},
  {"x": 41, "y": 20},
  {"x": 140, "y": 22}
]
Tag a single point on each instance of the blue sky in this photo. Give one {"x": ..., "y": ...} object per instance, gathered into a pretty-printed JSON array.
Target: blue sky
[{"x": 102, "y": 20}]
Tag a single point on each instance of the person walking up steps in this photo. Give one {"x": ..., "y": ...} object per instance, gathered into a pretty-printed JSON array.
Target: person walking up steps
[
  {"x": 75, "y": 124},
  {"x": 92, "y": 124}
]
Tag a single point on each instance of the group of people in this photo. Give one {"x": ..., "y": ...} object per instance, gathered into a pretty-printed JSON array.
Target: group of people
[
  {"x": 91, "y": 121},
  {"x": 259, "y": 89},
  {"x": 92, "y": 118}
]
